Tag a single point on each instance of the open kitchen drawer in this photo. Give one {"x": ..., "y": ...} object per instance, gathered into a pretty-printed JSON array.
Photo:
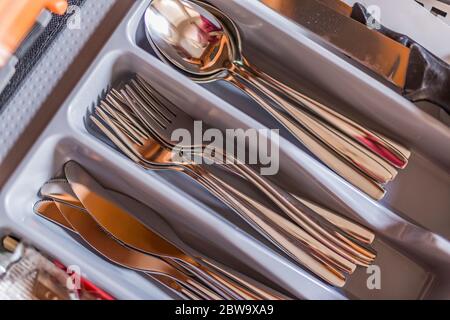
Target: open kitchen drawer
[{"x": 412, "y": 223}]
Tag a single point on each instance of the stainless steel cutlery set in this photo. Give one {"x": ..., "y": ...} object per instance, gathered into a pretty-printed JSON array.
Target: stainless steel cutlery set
[
  {"x": 136, "y": 117},
  {"x": 205, "y": 44}
]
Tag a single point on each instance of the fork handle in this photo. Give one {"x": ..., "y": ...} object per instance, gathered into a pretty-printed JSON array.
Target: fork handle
[
  {"x": 276, "y": 224},
  {"x": 318, "y": 227},
  {"x": 323, "y": 269}
]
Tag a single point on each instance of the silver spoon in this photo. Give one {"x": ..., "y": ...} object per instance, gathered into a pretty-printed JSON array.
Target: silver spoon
[
  {"x": 192, "y": 39},
  {"x": 349, "y": 127}
]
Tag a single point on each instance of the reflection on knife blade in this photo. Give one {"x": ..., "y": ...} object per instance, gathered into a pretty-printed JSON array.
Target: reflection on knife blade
[{"x": 385, "y": 56}]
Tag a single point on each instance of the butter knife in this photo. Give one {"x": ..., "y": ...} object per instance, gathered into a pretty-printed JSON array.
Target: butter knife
[{"x": 127, "y": 229}]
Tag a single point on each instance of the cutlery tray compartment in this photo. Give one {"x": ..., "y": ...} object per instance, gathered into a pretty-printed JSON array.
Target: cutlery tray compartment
[
  {"x": 413, "y": 261},
  {"x": 421, "y": 192},
  {"x": 292, "y": 55}
]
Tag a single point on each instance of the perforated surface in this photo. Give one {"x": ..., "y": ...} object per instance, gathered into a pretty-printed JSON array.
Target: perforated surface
[
  {"x": 40, "y": 82},
  {"x": 440, "y": 8},
  {"x": 31, "y": 53}
]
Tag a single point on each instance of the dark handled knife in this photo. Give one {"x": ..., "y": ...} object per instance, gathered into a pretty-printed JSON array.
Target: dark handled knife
[{"x": 418, "y": 73}]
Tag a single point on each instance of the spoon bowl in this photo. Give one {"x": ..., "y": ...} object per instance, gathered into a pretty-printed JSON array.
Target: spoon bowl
[{"x": 189, "y": 37}]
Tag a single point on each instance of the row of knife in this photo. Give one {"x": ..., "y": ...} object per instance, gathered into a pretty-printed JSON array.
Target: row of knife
[{"x": 112, "y": 224}]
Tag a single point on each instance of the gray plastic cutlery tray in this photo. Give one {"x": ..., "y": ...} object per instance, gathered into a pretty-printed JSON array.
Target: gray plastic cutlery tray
[{"x": 412, "y": 223}]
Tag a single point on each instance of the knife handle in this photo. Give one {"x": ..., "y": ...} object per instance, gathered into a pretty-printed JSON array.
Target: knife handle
[
  {"x": 17, "y": 18},
  {"x": 360, "y": 14},
  {"x": 428, "y": 77}
]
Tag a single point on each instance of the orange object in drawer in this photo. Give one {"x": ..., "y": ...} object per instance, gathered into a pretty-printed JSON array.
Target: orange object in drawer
[{"x": 17, "y": 18}]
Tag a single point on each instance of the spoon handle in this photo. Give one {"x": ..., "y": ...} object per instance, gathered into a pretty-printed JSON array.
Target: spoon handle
[
  {"x": 364, "y": 160},
  {"x": 391, "y": 151},
  {"x": 324, "y": 153}
]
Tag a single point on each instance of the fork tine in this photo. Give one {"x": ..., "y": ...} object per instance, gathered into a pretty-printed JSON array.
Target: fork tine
[
  {"x": 148, "y": 108},
  {"x": 132, "y": 120},
  {"x": 122, "y": 147},
  {"x": 136, "y": 134},
  {"x": 117, "y": 104},
  {"x": 151, "y": 102},
  {"x": 121, "y": 105},
  {"x": 149, "y": 121},
  {"x": 102, "y": 114},
  {"x": 116, "y": 94},
  {"x": 117, "y": 131},
  {"x": 123, "y": 123},
  {"x": 162, "y": 101}
]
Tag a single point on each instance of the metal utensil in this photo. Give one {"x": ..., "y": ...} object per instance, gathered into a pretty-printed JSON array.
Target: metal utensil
[
  {"x": 133, "y": 133},
  {"x": 418, "y": 73},
  {"x": 310, "y": 131},
  {"x": 393, "y": 152},
  {"x": 333, "y": 239},
  {"x": 171, "y": 118},
  {"x": 80, "y": 222},
  {"x": 124, "y": 227},
  {"x": 60, "y": 190},
  {"x": 162, "y": 117},
  {"x": 285, "y": 201},
  {"x": 57, "y": 192},
  {"x": 131, "y": 232}
]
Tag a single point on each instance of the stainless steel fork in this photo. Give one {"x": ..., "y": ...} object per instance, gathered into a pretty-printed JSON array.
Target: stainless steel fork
[
  {"x": 320, "y": 228},
  {"x": 363, "y": 168},
  {"x": 137, "y": 101},
  {"x": 325, "y": 271},
  {"x": 135, "y": 142}
]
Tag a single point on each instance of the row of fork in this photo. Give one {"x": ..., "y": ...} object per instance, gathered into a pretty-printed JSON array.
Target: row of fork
[{"x": 139, "y": 121}]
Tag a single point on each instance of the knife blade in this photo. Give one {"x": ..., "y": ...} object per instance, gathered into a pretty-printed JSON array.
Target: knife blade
[
  {"x": 81, "y": 223},
  {"x": 57, "y": 191},
  {"x": 124, "y": 227},
  {"x": 418, "y": 73}
]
